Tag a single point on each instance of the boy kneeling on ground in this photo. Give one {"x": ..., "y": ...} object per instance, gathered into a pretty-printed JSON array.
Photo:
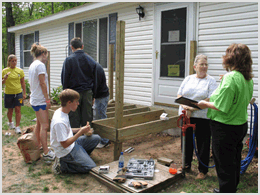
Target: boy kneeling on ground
[{"x": 72, "y": 152}]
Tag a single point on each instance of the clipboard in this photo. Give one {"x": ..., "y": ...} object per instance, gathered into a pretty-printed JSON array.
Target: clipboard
[{"x": 187, "y": 102}]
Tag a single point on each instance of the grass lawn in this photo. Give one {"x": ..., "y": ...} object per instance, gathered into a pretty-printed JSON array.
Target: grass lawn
[
  {"x": 40, "y": 171},
  {"x": 28, "y": 115}
]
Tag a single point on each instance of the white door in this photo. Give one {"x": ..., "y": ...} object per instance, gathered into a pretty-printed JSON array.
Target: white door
[{"x": 174, "y": 28}]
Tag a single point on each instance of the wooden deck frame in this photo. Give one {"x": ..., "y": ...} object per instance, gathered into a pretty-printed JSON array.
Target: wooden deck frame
[
  {"x": 127, "y": 121},
  {"x": 137, "y": 124}
]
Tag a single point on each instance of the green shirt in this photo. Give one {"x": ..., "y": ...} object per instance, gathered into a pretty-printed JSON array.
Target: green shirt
[{"x": 232, "y": 98}]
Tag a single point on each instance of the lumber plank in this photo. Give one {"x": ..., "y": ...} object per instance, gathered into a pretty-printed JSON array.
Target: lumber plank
[
  {"x": 165, "y": 161},
  {"x": 48, "y": 68},
  {"x": 111, "y": 105},
  {"x": 129, "y": 111},
  {"x": 108, "y": 183},
  {"x": 143, "y": 129},
  {"x": 132, "y": 119},
  {"x": 125, "y": 107},
  {"x": 111, "y": 70},
  {"x": 119, "y": 81},
  {"x": 193, "y": 53},
  {"x": 141, "y": 117},
  {"x": 113, "y": 172},
  {"x": 161, "y": 179},
  {"x": 168, "y": 105},
  {"x": 104, "y": 131}
]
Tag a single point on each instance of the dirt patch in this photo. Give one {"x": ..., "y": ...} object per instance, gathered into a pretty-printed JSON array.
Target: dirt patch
[{"x": 17, "y": 176}]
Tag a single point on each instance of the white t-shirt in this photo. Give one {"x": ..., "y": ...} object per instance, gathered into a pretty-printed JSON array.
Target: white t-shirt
[
  {"x": 60, "y": 131},
  {"x": 197, "y": 89},
  {"x": 36, "y": 68}
]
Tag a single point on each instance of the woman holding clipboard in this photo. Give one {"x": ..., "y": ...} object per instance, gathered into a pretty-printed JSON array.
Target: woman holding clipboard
[{"x": 197, "y": 87}]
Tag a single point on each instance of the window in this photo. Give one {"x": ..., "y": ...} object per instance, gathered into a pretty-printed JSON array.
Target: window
[
  {"x": 27, "y": 43},
  {"x": 95, "y": 39},
  {"x": 173, "y": 43},
  {"x": 103, "y": 42},
  {"x": 90, "y": 38}
]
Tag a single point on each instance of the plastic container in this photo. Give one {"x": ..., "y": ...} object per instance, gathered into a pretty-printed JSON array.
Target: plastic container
[{"x": 121, "y": 161}]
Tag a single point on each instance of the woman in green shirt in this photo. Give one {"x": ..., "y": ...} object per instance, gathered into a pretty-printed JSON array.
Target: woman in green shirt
[{"x": 228, "y": 114}]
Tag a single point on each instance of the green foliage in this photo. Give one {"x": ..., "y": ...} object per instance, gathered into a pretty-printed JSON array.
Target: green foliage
[
  {"x": 8, "y": 139},
  {"x": 27, "y": 88},
  {"x": 46, "y": 170},
  {"x": 27, "y": 113},
  {"x": 28, "y": 11},
  {"x": 45, "y": 189},
  {"x": 55, "y": 95}
]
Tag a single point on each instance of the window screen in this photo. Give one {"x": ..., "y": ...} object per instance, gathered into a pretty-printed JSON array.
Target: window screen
[
  {"x": 79, "y": 30},
  {"x": 27, "y": 43},
  {"x": 103, "y": 42},
  {"x": 90, "y": 38}
]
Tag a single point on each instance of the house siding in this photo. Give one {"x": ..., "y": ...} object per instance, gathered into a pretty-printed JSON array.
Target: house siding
[
  {"x": 138, "y": 80},
  {"x": 218, "y": 25},
  {"x": 55, "y": 40},
  {"x": 221, "y": 24}
]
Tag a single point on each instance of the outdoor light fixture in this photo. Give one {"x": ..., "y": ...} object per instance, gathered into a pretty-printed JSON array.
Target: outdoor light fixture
[{"x": 140, "y": 12}]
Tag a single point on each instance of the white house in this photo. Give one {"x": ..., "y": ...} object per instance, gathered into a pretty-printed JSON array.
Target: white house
[{"x": 157, "y": 46}]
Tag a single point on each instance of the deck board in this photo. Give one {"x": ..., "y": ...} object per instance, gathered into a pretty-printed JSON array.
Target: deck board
[{"x": 161, "y": 178}]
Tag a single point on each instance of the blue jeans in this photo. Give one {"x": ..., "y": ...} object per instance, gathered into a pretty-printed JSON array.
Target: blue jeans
[
  {"x": 99, "y": 112},
  {"x": 78, "y": 160}
]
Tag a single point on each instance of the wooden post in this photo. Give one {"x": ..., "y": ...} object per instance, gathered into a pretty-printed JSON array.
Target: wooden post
[
  {"x": 48, "y": 72},
  {"x": 192, "y": 56},
  {"x": 111, "y": 70},
  {"x": 119, "y": 99}
]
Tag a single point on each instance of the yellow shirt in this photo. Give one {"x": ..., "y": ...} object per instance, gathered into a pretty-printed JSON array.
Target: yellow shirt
[{"x": 13, "y": 82}]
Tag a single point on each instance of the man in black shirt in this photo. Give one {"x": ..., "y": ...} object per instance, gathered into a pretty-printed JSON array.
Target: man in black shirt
[{"x": 79, "y": 73}]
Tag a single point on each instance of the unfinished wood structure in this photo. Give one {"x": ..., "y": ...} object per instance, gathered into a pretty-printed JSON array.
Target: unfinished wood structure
[
  {"x": 128, "y": 121},
  {"x": 162, "y": 179}
]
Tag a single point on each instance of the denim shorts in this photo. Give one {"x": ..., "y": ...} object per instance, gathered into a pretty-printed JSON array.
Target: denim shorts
[
  {"x": 12, "y": 100},
  {"x": 37, "y": 108}
]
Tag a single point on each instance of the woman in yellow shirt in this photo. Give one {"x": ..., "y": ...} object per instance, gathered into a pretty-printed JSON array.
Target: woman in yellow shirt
[{"x": 13, "y": 78}]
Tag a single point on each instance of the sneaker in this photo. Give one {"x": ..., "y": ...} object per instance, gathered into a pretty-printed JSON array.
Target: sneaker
[
  {"x": 201, "y": 176},
  {"x": 17, "y": 130},
  {"x": 11, "y": 125},
  {"x": 102, "y": 145},
  {"x": 56, "y": 167},
  {"x": 49, "y": 156},
  {"x": 41, "y": 148}
]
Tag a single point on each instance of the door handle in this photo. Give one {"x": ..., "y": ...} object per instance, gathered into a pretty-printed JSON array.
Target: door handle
[{"x": 156, "y": 53}]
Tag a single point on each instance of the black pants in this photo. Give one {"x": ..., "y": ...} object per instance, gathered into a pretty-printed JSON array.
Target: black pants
[
  {"x": 227, "y": 146},
  {"x": 202, "y": 135},
  {"x": 84, "y": 111}
]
